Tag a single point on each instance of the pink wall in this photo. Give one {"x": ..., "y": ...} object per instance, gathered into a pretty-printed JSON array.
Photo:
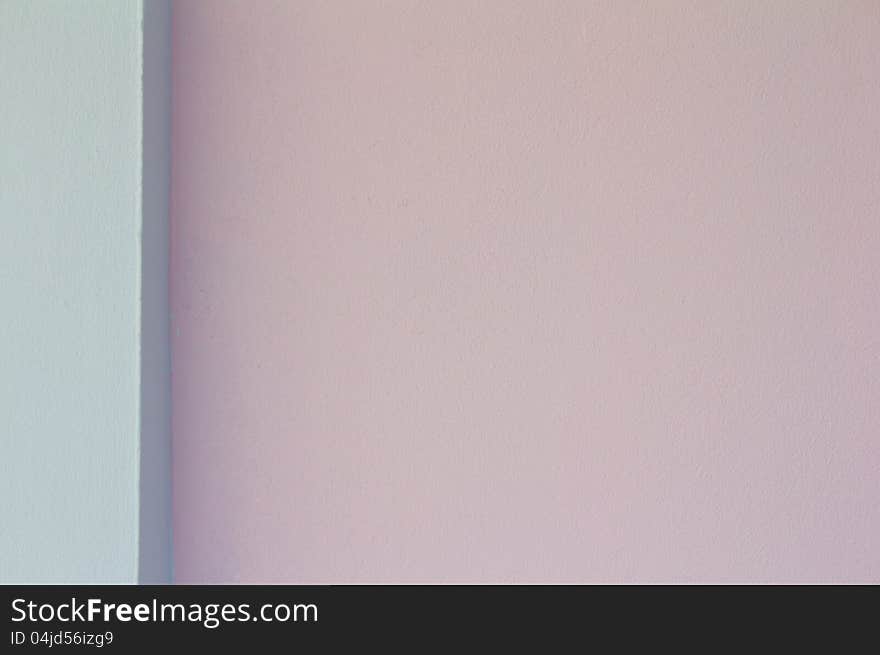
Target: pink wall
[{"x": 526, "y": 291}]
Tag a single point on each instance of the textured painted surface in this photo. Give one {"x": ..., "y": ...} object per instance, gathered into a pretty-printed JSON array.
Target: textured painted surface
[
  {"x": 71, "y": 210},
  {"x": 154, "y": 521},
  {"x": 526, "y": 291}
]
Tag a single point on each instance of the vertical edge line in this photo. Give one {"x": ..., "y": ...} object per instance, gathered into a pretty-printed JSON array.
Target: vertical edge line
[{"x": 154, "y": 565}]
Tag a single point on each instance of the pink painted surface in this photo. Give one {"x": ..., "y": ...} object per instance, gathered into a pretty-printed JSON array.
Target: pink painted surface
[{"x": 526, "y": 291}]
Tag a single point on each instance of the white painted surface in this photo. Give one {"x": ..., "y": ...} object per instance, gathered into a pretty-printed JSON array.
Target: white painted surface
[
  {"x": 71, "y": 220},
  {"x": 155, "y": 475}
]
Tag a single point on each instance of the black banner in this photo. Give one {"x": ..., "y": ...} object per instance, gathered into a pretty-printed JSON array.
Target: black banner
[{"x": 134, "y": 617}]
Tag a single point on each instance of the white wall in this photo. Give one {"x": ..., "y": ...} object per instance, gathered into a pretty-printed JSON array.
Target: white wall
[{"x": 73, "y": 222}]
